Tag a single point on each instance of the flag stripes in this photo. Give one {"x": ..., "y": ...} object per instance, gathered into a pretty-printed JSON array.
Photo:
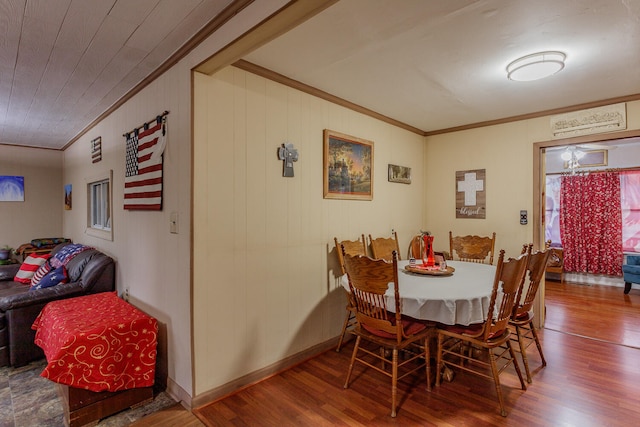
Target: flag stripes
[{"x": 143, "y": 178}]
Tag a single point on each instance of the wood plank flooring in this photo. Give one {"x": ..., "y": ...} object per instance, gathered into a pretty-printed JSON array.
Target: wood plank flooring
[
  {"x": 591, "y": 343},
  {"x": 175, "y": 415}
]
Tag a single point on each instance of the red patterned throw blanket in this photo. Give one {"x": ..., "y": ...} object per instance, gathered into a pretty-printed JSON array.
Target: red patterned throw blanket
[{"x": 97, "y": 342}]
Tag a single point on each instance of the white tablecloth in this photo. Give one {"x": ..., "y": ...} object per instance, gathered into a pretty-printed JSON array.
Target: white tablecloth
[{"x": 461, "y": 298}]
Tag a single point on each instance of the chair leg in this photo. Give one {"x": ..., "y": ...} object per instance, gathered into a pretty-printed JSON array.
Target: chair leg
[
  {"x": 523, "y": 352},
  {"x": 627, "y": 287},
  {"x": 496, "y": 381},
  {"x": 537, "y": 340},
  {"x": 353, "y": 361},
  {"x": 427, "y": 359},
  {"x": 515, "y": 365},
  {"x": 394, "y": 381},
  {"x": 439, "y": 361},
  {"x": 347, "y": 320}
]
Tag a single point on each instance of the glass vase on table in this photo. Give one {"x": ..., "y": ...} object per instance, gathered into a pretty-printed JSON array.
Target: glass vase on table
[{"x": 428, "y": 259}]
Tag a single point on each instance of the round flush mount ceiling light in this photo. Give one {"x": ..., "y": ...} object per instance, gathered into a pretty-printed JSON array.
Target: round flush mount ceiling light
[{"x": 536, "y": 66}]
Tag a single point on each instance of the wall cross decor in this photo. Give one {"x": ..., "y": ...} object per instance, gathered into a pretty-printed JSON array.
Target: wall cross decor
[
  {"x": 288, "y": 154},
  {"x": 471, "y": 194}
]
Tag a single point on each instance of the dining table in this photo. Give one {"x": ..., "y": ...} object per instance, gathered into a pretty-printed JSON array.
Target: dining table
[{"x": 459, "y": 298}]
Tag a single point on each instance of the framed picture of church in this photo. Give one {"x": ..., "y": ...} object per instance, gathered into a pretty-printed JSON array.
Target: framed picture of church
[
  {"x": 471, "y": 194},
  {"x": 348, "y": 167}
]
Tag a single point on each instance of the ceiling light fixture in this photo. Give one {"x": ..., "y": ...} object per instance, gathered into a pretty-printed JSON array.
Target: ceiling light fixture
[
  {"x": 571, "y": 155},
  {"x": 536, "y": 66}
]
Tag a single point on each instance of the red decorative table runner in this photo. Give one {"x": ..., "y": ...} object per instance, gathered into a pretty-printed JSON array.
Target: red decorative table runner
[{"x": 97, "y": 342}]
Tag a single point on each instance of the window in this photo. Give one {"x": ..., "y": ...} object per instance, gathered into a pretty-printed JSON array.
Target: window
[
  {"x": 99, "y": 206},
  {"x": 630, "y": 195}
]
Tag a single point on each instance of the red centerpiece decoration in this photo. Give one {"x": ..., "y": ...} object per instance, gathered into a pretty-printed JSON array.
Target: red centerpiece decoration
[{"x": 428, "y": 260}]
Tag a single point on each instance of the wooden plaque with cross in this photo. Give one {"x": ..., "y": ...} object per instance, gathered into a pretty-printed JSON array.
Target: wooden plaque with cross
[{"x": 471, "y": 194}]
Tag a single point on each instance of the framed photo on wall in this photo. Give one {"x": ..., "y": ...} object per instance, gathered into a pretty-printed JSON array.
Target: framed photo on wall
[
  {"x": 348, "y": 167},
  {"x": 68, "y": 197},
  {"x": 401, "y": 174}
]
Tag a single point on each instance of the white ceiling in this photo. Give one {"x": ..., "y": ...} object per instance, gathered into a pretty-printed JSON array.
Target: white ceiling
[
  {"x": 440, "y": 64},
  {"x": 65, "y": 62},
  {"x": 431, "y": 64}
]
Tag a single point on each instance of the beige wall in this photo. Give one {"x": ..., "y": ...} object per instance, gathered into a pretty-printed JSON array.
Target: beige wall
[
  {"x": 152, "y": 263},
  {"x": 40, "y": 215},
  {"x": 506, "y": 152},
  {"x": 264, "y": 260}
]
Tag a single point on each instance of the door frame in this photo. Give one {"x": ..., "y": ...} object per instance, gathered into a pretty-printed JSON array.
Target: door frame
[{"x": 539, "y": 169}]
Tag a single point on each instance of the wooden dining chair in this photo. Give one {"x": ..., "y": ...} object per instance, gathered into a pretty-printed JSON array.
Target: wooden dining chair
[
  {"x": 383, "y": 327},
  {"x": 415, "y": 247},
  {"x": 486, "y": 346},
  {"x": 522, "y": 318},
  {"x": 383, "y": 248},
  {"x": 350, "y": 247},
  {"x": 472, "y": 248}
]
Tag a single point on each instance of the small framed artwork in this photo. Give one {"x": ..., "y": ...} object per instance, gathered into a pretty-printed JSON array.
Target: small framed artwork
[
  {"x": 592, "y": 158},
  {"x": 96, "y": 150},
  {"x": 401, "y": 174},
  {"x": 11, "y": 188},
  {"x": 67, "y": 197},
  {"x": 348, "y": 167}
]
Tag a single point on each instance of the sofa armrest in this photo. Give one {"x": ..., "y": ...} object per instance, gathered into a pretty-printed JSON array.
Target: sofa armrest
[
  {"x": 633, "y": 259},
  {"x": 41, "y": 296},
  {"x": 8, "y": 272}
]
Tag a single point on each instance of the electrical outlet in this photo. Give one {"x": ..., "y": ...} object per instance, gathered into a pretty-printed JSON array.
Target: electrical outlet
[
  {"x": 173, "y": 223},
  {"x": 125, "y": 296},
  {"x": 523, "y": 217}
]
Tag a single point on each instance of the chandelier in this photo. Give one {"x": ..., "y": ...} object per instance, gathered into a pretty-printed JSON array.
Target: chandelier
[{"x": 571, "y": 155}]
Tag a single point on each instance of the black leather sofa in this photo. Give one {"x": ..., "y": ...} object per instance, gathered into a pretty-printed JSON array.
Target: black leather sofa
[{"x": 90, "y": 271}]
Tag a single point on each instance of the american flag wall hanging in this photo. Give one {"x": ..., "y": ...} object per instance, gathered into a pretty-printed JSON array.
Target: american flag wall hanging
[
  {"x": 96, "y": 150},
  {"x": 144, "y": 161}
]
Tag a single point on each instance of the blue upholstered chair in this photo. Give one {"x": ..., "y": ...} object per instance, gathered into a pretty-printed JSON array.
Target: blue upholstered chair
[{"x": 631, "y": 272}]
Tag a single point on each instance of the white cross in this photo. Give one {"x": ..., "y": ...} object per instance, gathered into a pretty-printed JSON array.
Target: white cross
[{"x": 470, "y": 186}]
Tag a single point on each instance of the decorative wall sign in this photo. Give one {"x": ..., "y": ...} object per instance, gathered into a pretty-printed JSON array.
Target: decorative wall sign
[
  {"x": 400, "y": 174},
  {"x": 96, "y": 150},
  {"x": 609, "y": 118},
  {"x": 348, "y": 167},
  {"x": 68, "y": 195},
  {"x": 592, "y": 158},
  {"x": 11, "y": 188},
  {"x": 471, "y": 194}
]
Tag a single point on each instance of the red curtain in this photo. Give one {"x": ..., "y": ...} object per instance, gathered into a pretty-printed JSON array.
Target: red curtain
[{"x": 591, "y": 223}]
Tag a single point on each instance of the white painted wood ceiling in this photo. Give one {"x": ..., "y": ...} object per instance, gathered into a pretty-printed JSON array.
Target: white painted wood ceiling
[
  {"x": 65, "y": 62},
  {"x": 432, "y": 64}
]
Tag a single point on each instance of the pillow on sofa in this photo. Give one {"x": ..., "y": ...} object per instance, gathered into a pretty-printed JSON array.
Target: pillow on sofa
[
  {"x": 42, "y": 271},
  {"x": 29, "y": 267},
  {"x": 64, "y": 255},
  {"x": 54, "y": 277}
]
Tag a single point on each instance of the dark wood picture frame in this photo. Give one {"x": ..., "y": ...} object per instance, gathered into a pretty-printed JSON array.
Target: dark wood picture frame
[
  {"x": 401, "y": 174},
  {"x": 348, "y": 167}
]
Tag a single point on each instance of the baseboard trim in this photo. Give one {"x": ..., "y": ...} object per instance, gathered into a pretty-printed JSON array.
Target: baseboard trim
[
  {"x": 243, "y": 382},
  {"x": 178, "y": 394}
]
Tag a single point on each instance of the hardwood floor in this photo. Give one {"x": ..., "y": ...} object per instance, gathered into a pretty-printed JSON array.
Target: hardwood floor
[
  {"x": 175, "y": 415},
  {"x": 572, "y": 307},
  {"x": 592, "y": 379}
]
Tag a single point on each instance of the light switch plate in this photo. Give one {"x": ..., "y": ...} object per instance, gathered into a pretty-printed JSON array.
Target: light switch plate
[{"x": 523, "y": 217}]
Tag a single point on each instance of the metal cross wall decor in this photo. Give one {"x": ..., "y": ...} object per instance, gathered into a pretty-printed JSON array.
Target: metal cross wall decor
[{"x": 289, "y": 155}]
